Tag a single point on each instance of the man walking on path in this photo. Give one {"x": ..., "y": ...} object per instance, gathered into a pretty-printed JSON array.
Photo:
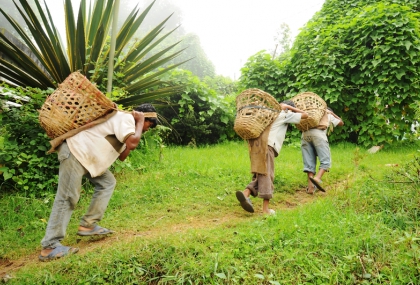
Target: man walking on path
[
  {"x": 263, "y": 150},
  {"x": 314, "y": 143},
  {"x": 89, "y": 154}
]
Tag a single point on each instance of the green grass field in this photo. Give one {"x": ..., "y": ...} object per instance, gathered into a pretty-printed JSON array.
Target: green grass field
[{"x": 177, "y": 221}]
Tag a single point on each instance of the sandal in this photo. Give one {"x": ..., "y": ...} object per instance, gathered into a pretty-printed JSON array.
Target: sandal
[
  {"x": 317, "y": 183},
  {"x": 58, "y": 252},
  {"x": 245, "y": 202},
  {"x": 97, "y": 230},
  {"x": 307, "y": 190}
]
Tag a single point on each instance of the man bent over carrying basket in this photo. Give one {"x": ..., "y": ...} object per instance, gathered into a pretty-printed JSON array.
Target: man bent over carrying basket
[
  {"x": 89, "y": 153},
  {"x": 263, "y": 150},
  {"x": 314, "y": 143}
]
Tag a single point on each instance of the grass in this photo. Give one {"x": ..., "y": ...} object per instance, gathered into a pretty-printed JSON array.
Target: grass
[{"x": 178, "y": 222}]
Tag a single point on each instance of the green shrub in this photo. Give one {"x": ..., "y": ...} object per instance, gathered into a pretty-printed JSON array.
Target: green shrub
[
  {"x": 361, "y": 57},
  {"x": 199, "y": 115},
  {"x": 26, "y": 167}
]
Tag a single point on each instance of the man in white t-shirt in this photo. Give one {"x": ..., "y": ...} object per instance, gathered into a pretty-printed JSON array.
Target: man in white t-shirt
[
  {"x": 314, "y": 143},
  {"x": 89, "y": 154},
  {"x": 262, "y": 185}
]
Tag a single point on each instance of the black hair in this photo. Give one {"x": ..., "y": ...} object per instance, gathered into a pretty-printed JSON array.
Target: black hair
[
  {"x": 328, "y": 108},
  {"x": 148, "y": 108},
  {"x": 289, "y": 102}
]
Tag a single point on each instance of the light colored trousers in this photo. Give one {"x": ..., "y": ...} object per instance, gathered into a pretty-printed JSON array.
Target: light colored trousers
[
  {"x": 314, "y": 143},
  {"x": 70, "y": 177}
]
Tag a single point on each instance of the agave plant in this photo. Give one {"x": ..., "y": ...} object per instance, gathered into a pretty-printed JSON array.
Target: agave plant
[{"x": 38, "y": 57}]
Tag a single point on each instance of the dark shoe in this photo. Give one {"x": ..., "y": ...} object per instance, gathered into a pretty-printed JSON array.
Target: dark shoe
[
  {"x": 97, "y": 230},
  {"x": 245, "y": 202},
  {"x": 58, "y": 252},
  {"x": 317, "y": 183}
]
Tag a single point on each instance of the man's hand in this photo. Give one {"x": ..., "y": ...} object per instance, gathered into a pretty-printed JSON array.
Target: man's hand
[
  {"x": 284, "y": 106},
  {"x": 133, "y": 140},
  {"x": 293, "y": 109},
  {"x": 138, "y": 116}
]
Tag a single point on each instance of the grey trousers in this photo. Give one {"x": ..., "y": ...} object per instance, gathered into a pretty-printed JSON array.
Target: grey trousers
[
  {"x": 70, "y": 177},
  {"x": 314, "y": 143},
  {"x": 263, "y": 185}
]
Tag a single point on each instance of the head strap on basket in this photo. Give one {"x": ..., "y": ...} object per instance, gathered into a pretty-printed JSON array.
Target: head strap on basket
[{"x": 150, "y": 115}]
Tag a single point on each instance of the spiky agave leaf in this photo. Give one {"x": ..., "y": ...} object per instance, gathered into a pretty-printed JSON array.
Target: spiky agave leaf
[
  {"x": 87, "y": 48},
  {"x": 48, "y": 61}
]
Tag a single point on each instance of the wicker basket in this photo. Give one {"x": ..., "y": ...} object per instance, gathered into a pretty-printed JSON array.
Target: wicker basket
[
  {"x": 312, "y": 104},
  {"x": 256, "y": 110},
  {"x": 73, "y": 104}
]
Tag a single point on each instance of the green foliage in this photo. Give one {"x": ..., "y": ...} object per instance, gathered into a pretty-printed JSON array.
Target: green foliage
[
  {"x": 361, "y": 58},
  {"x": 222, "y": 85},
  {"x": 38, "y": 57},
  {"x": 199, "y": 115},
  {"x": 26, "y": 166},
  {"x": 262, "y": 72}
]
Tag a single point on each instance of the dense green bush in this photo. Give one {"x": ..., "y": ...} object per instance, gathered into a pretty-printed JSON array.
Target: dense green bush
[
  {"x": 199, "y": 114},
  {"x": 25, "y": 165},
  {"x": 362, "y": 58}
]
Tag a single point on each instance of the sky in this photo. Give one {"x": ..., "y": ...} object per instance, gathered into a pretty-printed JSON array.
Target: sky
[{"x": 231, "y": 31}]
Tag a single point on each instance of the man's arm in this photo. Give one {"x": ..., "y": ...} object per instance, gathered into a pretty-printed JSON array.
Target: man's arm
[
  {"x": 294, "y": 109},
  {"x": 341, "y": 123},
  {"x": 133, "y": 141}
]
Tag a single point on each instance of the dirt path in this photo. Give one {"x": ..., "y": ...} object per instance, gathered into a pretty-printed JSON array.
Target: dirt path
[{"x": 7, "y": 267}]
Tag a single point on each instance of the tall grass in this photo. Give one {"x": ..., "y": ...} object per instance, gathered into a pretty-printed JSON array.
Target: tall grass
[{"x": 177, "y": 221}]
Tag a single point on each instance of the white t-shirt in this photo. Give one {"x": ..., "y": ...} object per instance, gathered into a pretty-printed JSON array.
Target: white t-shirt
[
  {"x": 98, "y": 147},
  {"x": 279, "y": 128},
  {"x": 319, "y": 132},
  {"x": 333, "y": 120}
]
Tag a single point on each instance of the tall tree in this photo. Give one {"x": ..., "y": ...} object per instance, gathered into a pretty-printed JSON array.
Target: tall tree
[
  {"x": 282, "y": 40},
  {"x": 195, "y": 57}
]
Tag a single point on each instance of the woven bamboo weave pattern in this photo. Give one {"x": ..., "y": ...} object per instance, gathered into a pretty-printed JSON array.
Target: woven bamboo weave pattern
[
  {"x": 312, "y": 104},
  {"x": 255, "y": 110},
  {"x": 73, "y": 104}
]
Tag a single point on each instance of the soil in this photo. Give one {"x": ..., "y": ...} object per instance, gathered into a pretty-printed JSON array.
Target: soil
[{"x": 300, "y": 197}]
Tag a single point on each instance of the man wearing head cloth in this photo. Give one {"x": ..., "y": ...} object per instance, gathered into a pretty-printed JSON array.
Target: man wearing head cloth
[{"x": 90, "y": 153}]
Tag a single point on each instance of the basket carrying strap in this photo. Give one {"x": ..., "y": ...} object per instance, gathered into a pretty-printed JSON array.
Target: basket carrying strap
[{"x": 258, "y": 107}]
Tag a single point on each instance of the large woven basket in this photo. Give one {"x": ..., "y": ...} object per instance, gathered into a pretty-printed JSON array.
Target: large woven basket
[
  {"x": 73, "y": 104},
  {"x": 255, "y": 110},
  {"x": 313, "y": 105}
]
